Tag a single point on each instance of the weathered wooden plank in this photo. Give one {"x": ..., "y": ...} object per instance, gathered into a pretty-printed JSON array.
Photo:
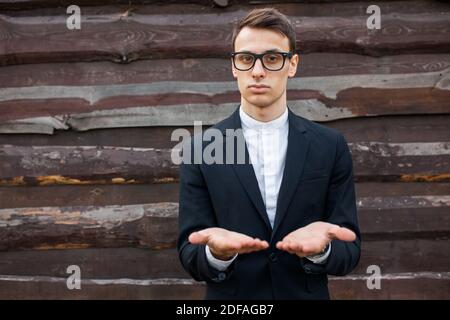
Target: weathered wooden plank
[
  {"x": 148, "y": 225},
  {"x": 36, "y": 4},
  {"x": 155, "y": 225},
  {"x": 88, "y": 164},
  {"x": 148, "y": 71},
  {"x": 420, "y": 286},
  {"x": 394, "y": 286},
  {"x": 98, "y": 195},
  {"x": 416, "y": 128},
  {"x": 126, "y": 194},
  {"x": 329, "y": 86},
  {"x": 379, "y": 159},
  {"x": 397, "y": 256},
  {"x": 411, "y": 128},
  {"x": 307, "y": 7},
  {"x": 405, "y": 222},
  {"x": 181, "y": 103},
  {"x": 46, "y": 165},
  {"x": 45, "y": 116},
  {"x": 55, "y": 288},
  {"x": 132, "y": 37},
  {"x": 105, "y": 263},
  {"x": 396, "y": 189},
  {"x": 413, "y": 255}
]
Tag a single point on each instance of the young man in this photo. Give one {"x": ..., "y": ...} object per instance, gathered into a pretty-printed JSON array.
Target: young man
[{"x": 273, "y": 228}]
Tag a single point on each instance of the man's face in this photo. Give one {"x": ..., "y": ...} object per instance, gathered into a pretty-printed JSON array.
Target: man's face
[{"x": 260, "y": 41}]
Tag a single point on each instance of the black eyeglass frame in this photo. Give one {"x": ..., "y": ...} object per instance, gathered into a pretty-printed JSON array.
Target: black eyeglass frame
[{"x": 259, "y": 56}]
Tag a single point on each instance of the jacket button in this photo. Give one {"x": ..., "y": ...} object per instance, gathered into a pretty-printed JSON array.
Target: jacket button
[
  {"x": 273, "y": 257},
  {"x": 307, "y": 269},
  {"x": 222, "y": 276}
]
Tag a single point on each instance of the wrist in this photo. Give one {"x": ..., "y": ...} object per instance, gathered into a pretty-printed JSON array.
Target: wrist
[
  {"x": 220, "y": 256},
  {"x": 321, "y": 253}
]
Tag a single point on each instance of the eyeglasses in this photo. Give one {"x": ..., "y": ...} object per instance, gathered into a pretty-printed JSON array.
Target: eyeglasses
[{"x": 272, "y": 61}]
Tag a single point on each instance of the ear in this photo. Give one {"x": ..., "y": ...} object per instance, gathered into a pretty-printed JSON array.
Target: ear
[
  {"x": 293, "y": 63},
  {"x": 233, "y": 70}
]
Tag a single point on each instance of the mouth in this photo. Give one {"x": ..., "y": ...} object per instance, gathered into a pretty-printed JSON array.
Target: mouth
[{"x": 258, "y": 88}]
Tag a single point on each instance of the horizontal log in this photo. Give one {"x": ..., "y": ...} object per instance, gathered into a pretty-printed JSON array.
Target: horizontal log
[
  {"x": 101, "y": 195},
  {"x": 15, "y": 288},
  {"x": 47, "y": 165},
  {"x": 42, "y": 109},
  {"x": 127, "y": 37},
  {"x": 155, "y": 225},
  {"x": 415, "y": 128},
  {"x": 112, "y": 113},
  {"x": 389, "y": 159},
  {"x": 406, "y": 222},
  {"x": 113, "y": 263},
  {"x": 149, "y": 226},
  {"x": 420, "y": 286},
  {"x": 126, "y": 194},
  {"x": 88, "y": 164},
  {"x": 307, "y": 7},
  {"x": 398, "y": 256},
  {"x": 393, "y": 286},
  {"x": 209, "y": 69},
  {"x": 37, "y": 4}
]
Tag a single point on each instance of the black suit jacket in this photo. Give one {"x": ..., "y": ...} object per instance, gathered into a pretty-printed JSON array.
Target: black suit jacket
[{"x": 317, "y": 185}]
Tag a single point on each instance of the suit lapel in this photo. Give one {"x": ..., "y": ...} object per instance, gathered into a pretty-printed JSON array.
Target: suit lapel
[
  {"x": 245, "y": 172},
  {"x": 297, "y": 150}
]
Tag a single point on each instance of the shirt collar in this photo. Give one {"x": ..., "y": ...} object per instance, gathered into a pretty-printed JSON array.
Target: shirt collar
[{"x": 250, "y": 123}]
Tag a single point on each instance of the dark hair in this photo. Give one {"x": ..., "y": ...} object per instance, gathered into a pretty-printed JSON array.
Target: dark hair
[{"x": 267, "y": 18}]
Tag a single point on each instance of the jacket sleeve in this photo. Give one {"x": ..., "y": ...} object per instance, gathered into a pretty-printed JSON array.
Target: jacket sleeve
[
  {"x": 196, "y": 213},
  {"x": 340, "y": 210}
]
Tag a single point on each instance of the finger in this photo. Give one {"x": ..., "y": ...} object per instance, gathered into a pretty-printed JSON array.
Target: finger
[
  {"x": 295, "y": 246},
  {"x": 279, "y": 245},
  {"x": 262, "y": 243},
  {"x": 265, "y": 244},
  {"x": 284, "y": 246},
  {"x": 343, "y": 234},
  {"x": 248, "y": 250},
  {"x": 249, "y": 244},
  {"x": 198, "y": 238},
  {"x": 255, "y": 244}
]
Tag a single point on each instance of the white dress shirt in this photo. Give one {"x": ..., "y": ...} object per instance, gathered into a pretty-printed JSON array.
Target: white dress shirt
[{"x": 267, "y": 147}]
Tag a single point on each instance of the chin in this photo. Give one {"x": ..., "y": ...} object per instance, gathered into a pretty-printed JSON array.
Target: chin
[{"x": 260, "y": 101}]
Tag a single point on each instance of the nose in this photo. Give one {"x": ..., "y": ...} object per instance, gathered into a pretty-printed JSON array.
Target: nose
[{"x": 258, "y": 69}]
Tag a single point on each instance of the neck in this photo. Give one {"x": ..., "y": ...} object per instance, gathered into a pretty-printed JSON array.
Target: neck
[{"x": 265, "y": 113}]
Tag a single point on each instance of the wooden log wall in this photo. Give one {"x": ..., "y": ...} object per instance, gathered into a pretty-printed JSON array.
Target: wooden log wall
[{"x": 86, "y": 118}]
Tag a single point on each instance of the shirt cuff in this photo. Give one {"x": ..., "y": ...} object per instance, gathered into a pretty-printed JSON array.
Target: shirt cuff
[
  {"x": 320, "y": 259},
  {"x": 220, "y": 265}
]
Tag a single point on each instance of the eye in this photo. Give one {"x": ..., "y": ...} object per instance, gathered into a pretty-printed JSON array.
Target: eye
[
  {"x": 272, "y": 58},
  {"x": 247, "y": 58}
]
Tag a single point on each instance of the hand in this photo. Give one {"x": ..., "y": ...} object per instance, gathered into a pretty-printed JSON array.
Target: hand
[
  {"x": 224, "y": 244},
  {"x": 313, "y": 238}
]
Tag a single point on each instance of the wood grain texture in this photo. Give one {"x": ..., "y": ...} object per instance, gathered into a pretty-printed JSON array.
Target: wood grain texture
[
  {"x": 85, "y": 171},
  {"x": 42, "y": 109},
  {"x": 398, "y": 129},
  {"x": 414, "y": 255},
  {"x": 209, "y": 69},
  {"x": 394, "y": 286},
  {"x": 155, "y": 225},
  {"x": 47, "y": 165},
  {"x": 135, "y": 36}
]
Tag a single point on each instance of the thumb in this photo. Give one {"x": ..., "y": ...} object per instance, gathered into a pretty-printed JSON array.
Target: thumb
[
  {"x": 343, "y": 234},
  {"x": 198, "y": 237}
]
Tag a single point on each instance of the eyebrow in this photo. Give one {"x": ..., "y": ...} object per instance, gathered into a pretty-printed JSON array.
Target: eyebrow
[{"x": 267, "y": 51}]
